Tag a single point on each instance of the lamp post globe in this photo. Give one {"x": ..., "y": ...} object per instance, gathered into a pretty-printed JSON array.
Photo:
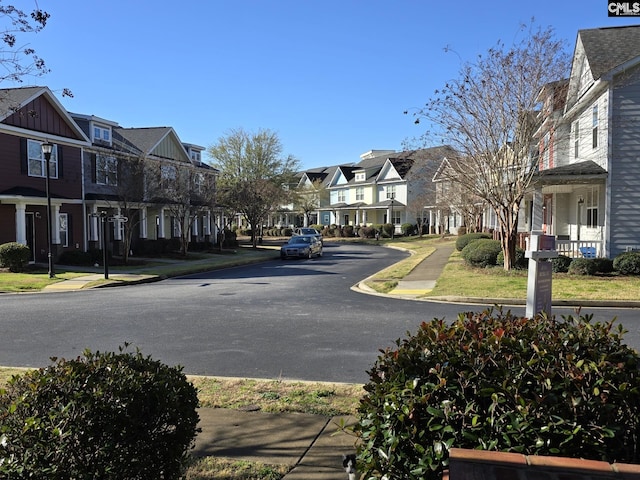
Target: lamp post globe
[{"x": 47, "y": 150}]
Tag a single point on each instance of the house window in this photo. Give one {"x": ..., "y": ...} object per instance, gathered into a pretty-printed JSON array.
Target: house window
[
  {"x": 546, "y": 144},
  {"x": 198, "y": 182},
  {"x": 106, "y": 170},
  {"x": 63, "y": 222},
  {"x": 592, "y": 207},
  {"x": 360, "y": 177},
  {"x": 359, "y": 194},
  {"x": 101, "y": 134},
  {"x": 342, "y": 196},
  {"x": 168, "y": 176},
  {"x": 576, "y": 139},
  {"x": 36, "y": 162},
  {"x": 595, "y": 126},
  {"x": 195, "y": 156},
  {"x": 391, "y": 192}
]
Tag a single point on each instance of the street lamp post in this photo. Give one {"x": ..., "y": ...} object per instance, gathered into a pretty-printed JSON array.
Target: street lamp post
[
  {"x": 393, "y": 225},
  {"x": 47, "y": 149}
]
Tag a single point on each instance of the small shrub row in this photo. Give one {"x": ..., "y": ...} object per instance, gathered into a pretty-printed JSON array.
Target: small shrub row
[
  {"x": 627, "y": 263},
  {"x": 482, "y": 252},
  {"x": 496, "y": 381},
  {"x": 103, "y": 415},
  {"x": 463, "y": 240},
  {"x": 14, "y": 256}
]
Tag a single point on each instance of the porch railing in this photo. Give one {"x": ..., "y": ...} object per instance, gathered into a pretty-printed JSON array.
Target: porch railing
[
  {"x": 568, "y": 248},
  {"x": 579, "y": 248}
]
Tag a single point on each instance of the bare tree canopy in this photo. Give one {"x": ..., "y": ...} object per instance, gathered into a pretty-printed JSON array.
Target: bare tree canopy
[
  {"x": 254, "y": 177},
  {"x": 17, "y": 59},
  {"x": 489, "y": 115},
  {"x": 309, "y": 197}
]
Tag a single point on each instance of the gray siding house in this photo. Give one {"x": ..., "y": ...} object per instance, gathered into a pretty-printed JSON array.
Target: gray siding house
[{"x": 589, "y": 181}]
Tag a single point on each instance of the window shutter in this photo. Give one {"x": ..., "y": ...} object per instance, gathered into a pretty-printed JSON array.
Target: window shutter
[
  {"x": 24, "y": 157},
  {"x": 93, "y": 168},
  {"x": 69, "y": 230},
  {"x": 60, "y": 162}
]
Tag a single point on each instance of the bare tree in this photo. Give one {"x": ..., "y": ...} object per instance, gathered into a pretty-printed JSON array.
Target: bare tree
[
  {"x": 253, "y": 174},
  {"x": 489, "y": 116},
  {"x": 309, "y": 197},
  {"x": 186, "y": 191},
  {"x": 130, "y": 192},
  {"x": 19, "y": 60}
]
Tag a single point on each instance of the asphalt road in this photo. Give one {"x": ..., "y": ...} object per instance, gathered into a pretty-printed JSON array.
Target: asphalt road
[{"x": 294, "y": 319}]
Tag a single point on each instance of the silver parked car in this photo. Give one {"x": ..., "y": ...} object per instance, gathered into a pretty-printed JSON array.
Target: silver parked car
[
  {"x": 308, "y": 231},
  {"x": 301, "y": 246}
]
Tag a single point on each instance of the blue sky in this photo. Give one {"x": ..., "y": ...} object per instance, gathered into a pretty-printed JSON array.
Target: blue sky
[{"x": 332, "y": 78}]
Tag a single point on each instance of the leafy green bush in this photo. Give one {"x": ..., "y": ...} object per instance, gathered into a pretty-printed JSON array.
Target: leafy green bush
[
  {"x": 463, "y": 240},
  {"x": 495, "y": 381},
  {"x": 627, "y": 263},
  {"x": 408, "y": 229},
  {"x": 367, "y": 232},
  {"x": 387, "y": 230},
  {"x": 14, "y": 256},
  {"x": 603, "y": 265},
  {"x": 583, "y": 266},
  {"x": 522, "y": 262},
  {"x": 560, "y": 264},
  {"x": 482, "y": 252},
  {"x": 105, "y": 415}
]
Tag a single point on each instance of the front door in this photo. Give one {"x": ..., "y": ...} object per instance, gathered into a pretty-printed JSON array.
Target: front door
[{"x": 30, "y": 227}]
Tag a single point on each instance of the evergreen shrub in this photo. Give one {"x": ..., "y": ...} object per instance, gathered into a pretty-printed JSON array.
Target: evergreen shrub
[
  {"x": 482, "y": 252},
  {"x": 495, "y": 381},
  {"x": 583, "y": 266},
  {"x": 367, "y": 232},
  {"x": 463, "y": 240},
  {"x": 103, "y": 415},
  {"x": 14, "y": 256},
  {"x": 522, "y": 262},
  {"x": 560, "y": 264},
  {"x": 408, "y": 229},
  {"x": 627, "y": 263}
]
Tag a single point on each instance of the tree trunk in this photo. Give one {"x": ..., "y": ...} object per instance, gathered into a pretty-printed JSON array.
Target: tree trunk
[{"x": 508, "y": 219}]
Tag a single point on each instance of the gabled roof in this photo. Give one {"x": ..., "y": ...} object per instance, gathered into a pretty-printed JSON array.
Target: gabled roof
[
  {"x": 13, "y": 100},
  {"x": 146, "y": 141},
  {"x": 610, "y": 47}
]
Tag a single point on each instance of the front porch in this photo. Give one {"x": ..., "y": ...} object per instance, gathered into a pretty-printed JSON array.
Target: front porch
[{"x": 565, "y": 246}]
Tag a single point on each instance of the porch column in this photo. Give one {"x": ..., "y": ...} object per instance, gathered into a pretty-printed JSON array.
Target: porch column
[
  {"x": 536, "y": 215},
  {"x": 161, "y": 223},
  {"x": 143, "y": 223},
  {"x": 56, "y": 225},
  {"x": 117, "y": 234},
  {"x": 93, "y": 224},
  {"x": 194, "y": 226},
  {"x": 21, "y": 223},
  {"x": 207, "y": 223}
]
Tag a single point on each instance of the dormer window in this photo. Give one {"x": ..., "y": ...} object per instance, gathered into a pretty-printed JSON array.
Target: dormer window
[
  {"x": 360, "y": 177},
  {"x": 101, "y": 134},
  {"x": 195, "y": 156}
]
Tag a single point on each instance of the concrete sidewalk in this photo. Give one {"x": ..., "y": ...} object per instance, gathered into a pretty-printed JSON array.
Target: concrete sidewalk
[{"x": 312, "y": 445}]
